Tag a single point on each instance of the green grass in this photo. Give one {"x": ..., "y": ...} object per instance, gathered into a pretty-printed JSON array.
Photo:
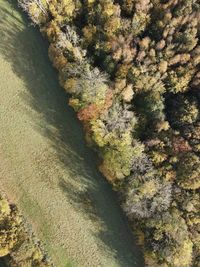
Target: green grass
[{"x": 45, "y": 166}]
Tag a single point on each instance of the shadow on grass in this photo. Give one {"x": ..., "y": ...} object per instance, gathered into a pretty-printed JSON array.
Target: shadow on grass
[
  {"x": 26, "y": 50},
  {"x": 2, "y": 262}
]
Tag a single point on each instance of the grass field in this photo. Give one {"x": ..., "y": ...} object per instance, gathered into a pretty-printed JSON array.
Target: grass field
[{"x": 45, "y": 166}]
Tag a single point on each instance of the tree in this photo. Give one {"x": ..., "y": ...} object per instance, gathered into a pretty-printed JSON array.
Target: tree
[
  {"x": 188, "y": 171},
  {"x": 10, "y": 221},
  {"x": 183, "y": 110},
  {"x": 169, "y": 239},
  {"x": 118, "y": 157},
  {"x": 36, "y": 9},
  {"x": 16, "y": 241},
  {"x": 88, "y": 85},
  {"x": 132, "y": 69},
  {"x": 146, "y": 194}
]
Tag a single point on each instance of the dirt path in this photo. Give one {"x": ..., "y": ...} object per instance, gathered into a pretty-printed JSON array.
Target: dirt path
[{"x": 45, "y": 166}]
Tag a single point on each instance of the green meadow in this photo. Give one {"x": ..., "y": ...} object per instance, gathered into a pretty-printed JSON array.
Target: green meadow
[{"x": 45, "y": 166}]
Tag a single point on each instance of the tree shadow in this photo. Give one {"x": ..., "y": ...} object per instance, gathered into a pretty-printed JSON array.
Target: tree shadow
[
  {"x": 4, "y": 262},
  {"x": 21, "y": 46}
]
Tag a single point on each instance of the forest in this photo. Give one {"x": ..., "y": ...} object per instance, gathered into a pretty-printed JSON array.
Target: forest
[
  {"x": 132, "y": 69},
  {"x": 18, "y": 245}
]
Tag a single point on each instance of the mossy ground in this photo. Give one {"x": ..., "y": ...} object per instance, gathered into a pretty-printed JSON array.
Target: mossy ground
[{"x": 45, "y": 166}]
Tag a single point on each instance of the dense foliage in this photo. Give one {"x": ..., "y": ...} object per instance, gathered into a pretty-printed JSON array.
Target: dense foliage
[
  {"x": 132, "y": 69},
  {"x": 17, "y": 243}
]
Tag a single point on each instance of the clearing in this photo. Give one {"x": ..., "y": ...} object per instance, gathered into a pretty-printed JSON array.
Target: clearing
[{"x": 45, "y": 166}]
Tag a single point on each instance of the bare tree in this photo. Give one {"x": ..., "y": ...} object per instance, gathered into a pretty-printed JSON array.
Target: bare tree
[{"x": 26, "y": 3}]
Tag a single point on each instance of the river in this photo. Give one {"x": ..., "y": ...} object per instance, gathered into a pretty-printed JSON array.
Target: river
[{"x": 45, "y": 166}]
